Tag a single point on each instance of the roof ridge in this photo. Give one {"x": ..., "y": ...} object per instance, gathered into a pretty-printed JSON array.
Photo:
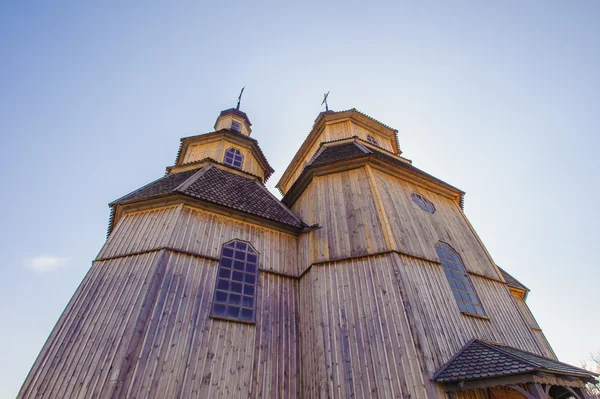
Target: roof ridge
[
  {"x": 285, "y": 208},
  {"x": 192, "y": 179},
  {"x": 543, "y": 357}
]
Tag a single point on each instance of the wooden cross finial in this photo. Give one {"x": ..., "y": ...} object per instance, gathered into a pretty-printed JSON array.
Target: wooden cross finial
[
  {"x": 240, "y": 98},
  {"x": 325, "y": 101}
]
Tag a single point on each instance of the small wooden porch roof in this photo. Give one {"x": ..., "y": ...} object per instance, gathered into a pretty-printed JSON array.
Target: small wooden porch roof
[{"x": 483, "y": 364}]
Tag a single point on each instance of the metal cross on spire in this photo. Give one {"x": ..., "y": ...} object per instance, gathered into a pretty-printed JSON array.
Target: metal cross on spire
[
  {"x": 325, "y": 101},
  {"x": 240, "y": 98}
]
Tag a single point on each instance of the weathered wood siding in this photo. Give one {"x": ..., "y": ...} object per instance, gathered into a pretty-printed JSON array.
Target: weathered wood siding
[
  {"x": 343, "y": 204},
  {"x": 356, "y": 339},
  {"x": 416, "y": 232},
  {"x": 139, "y": 326},
  {"x": 443, "y": 329},
  {"x": 537, "y": 331},
  {"x": 216, "y": 150},
  {"x": 95, "y": 326},
  {"x": 200, "y": 232}
]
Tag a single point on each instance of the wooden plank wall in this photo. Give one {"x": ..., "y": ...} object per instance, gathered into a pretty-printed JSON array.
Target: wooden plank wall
[
  {"x": 193, "y": 230},
  {"x": 185, "y": 353},
  {"x": 356, "y": 340},
  {"x": 443, "y": 329},
  {"x": 157, "y": 315},
  {"x": 216, "y": 150},
  {"x": 416, "y": 232},
  {"x": 343, "y": 204},
  {"x": 78, "y": 355},
  {"x": 382, "y": 141}
]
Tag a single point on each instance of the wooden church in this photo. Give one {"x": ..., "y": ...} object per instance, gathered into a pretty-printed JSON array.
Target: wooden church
[{"x": 365, "y": 281}]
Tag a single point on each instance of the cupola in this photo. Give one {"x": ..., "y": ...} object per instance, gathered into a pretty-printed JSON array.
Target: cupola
[{"x": 234, "y": 119}]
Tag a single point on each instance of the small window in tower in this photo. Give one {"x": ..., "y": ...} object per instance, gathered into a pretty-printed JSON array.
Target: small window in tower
[
  {"x": 423, "y": 202},
  {"x": 235, "y": 289},
  {"x": 233, "y": 157},
  {"x": 459, "y": 280},
  {"x": 235, "y": 126},
  {"x": 372, "y": 140}
]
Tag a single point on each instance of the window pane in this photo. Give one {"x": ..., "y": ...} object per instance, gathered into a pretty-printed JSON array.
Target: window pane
[
  {"x": 459, "y": 280},
  {"x": 236, "y": 287},
  {"x": 246, "y": 314},
  {"x": 221, "y": 296},
  {"x": 228, "y": 252},
  {"x": 247, "y": 301},
  {"x": 234, "y": 299},
  {"x": 239, "y": 265},
  {"x": 236, "y": 275},
  {"x": 233, "y": 311},
  {"x": 219, "y": 310}
]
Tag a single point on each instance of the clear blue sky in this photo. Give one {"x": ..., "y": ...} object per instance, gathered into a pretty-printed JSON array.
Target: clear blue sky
[{"x": 502, "y": 101}]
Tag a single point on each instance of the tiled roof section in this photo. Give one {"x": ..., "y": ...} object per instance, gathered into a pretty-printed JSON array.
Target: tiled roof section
[
  {"x": 220, "y": 187},
  {"x": 236, "y": 112},
  {"x": 510, "y": 280},
  {"x": 237, "y": 192},
  {"x": 161, "y": 186},
  {"x": 479, "y": 359},
  {"x": 337, "y": 152}
]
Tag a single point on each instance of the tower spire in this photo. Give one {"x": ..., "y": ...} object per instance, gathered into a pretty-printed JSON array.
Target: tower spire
[
  {"x": 240, "y": 98},
  {"x": 324, "y": 101}
]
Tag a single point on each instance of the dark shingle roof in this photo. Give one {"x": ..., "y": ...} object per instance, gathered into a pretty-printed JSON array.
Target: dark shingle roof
[
  {"x": 218, "y": 186},
  {"x": 481, "y": 359},
  {"x": 337, "y": 152},
  {"x": 510, "y": 280}
]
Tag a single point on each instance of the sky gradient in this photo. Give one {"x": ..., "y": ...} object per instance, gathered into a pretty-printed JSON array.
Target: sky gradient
[{"x": 502, "y": 101}]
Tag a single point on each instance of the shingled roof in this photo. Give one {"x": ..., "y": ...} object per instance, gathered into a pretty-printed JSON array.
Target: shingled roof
[
  {"x": 511, "y": 281},
  {"x": 481, "y": 359},
  {"x": 218, "y": 186}
]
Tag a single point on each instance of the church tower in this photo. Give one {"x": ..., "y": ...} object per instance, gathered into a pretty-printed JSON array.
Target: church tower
[{"x": 366, "y": 280}]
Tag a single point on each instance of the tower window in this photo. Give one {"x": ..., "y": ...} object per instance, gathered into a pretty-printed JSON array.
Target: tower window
[
  {"x": 371, "y": 140},
  {"x": 235, "y": 126},
  {"x": 233, "y": 157},
  {"x": 235, "y": 289},
  {"x": 459, "y": 280},
  {"x": 423, "y": 202}
]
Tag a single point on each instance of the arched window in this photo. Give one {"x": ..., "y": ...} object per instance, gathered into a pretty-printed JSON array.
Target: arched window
[
  {"x": 233, "y": 157},
  {"x": 371, "y": 140},
  {"x": 459, "y": 280},
  {"x": 423, "y": 202},
  {"x": 235, "y": 290}
]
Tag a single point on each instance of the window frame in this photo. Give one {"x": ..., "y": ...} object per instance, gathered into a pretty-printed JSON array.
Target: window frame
[
  {"x": 372, "y": 140},
  {"x": 422, "y": 202},
  {"x": 236, "y": 126},
  {"x": 463, "y": 278},
  {"x": 236, "y": 153},
  {"x": 233, "y": 245}
]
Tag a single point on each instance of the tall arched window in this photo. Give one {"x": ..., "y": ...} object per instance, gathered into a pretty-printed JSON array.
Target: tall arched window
[
  {"x": 372, "y": 140},
  {"x": 233, "y": 157},
  {"x": 235, "y": 289},
  {"x": 459, "y": 280}
]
